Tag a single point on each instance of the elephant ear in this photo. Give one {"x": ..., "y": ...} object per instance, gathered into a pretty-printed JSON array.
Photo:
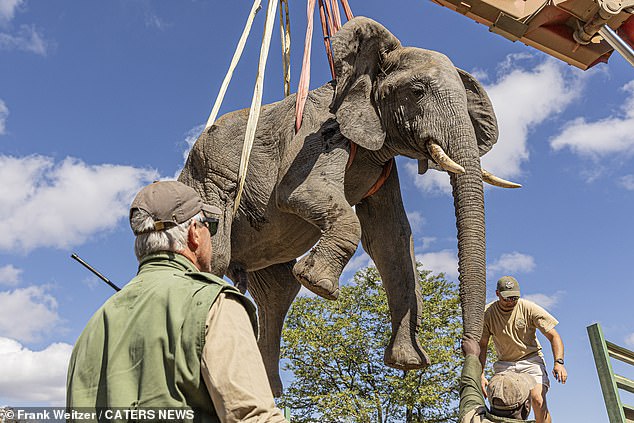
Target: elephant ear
[
  {"x": 359, "y": 48},
  {"x": 480, "y": 111}
]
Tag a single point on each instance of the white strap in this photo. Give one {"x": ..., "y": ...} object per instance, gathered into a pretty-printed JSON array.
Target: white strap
[
  {"x": 256, "y": 103},
  {"x": 234, "y": 62}
]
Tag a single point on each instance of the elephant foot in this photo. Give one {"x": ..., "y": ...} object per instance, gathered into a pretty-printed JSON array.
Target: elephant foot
[
  {"x": 406, "y": 358},
  {"x": 305, "y": 272}
]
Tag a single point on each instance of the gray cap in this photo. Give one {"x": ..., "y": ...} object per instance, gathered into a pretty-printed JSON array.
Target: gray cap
[
  {"x": 508, "y": 287},
  {"x": 170, "y": 203},
  {"x": 509, "y": 390}
]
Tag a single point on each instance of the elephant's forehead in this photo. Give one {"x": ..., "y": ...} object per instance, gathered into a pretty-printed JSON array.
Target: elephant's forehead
[
  {"x": 414, "y": 58},
  {"x": 421, "y": 75}
]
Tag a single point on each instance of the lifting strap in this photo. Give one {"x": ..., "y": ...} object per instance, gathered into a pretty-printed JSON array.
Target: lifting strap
[
  {"x": 256, "y": 103},
  {"x": 285, "y": 34},
  {"x": 234, "y": 62},
  {"x": 387, "y": 169},
  {"x": 330, "y": 24},
  {"x": 347, "y": 10},
  {"x": 327, "y": 27},
  {"x": 304, "y": 77}
]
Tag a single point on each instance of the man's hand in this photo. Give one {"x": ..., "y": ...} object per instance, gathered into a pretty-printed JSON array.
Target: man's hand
[
  {"x": 470, "y": 346},
  {"x": 560, "y": 373},
  {"x": 484, "y": 383}
]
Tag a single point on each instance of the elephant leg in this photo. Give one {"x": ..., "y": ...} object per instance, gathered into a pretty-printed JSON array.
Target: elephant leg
[
  {"x": 273, "y": 288},
  {"x": 319, "y": 270},
  {"x": 320, "y": 200},
  {"x": 387, "y": 238}
]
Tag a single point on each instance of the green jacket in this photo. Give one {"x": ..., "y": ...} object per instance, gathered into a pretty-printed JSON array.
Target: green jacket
[
  {"x": 472, "y": 405},
  {"x": 143, "y": 347}
]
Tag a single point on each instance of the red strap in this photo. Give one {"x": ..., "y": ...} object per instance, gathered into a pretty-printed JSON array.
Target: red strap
[
  {"x": 387, "y": 169},
  {"x": 353, "y": 153},
  {"x": 330, "y": 23},
  {"x": 326, "y": 28},
  {"x": 336, "y": 16},
  {"x": 347, "y": 9},
  {"x": 304, "y": 79}
]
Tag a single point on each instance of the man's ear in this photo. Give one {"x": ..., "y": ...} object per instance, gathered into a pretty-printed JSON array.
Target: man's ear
[{"x": 193, "y": 237}]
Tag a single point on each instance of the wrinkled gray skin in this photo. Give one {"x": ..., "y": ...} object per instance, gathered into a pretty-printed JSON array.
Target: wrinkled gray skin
[{"x": 389, "y": 100}]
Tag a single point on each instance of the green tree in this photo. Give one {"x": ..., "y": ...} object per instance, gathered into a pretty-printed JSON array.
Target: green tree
[{"x": 335, "y": 352}]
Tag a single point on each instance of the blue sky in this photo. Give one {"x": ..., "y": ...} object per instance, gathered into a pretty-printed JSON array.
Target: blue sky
[{"x": 99, "y": 98}]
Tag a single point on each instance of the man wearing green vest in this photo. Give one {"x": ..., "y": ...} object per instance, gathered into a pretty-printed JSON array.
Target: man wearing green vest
[
  {"x": 175, "y": 338},
  {"x": 508, "y": 392}
]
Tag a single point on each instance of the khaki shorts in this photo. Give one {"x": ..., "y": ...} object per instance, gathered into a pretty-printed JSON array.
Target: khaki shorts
[{"x": 534, "y": 366}]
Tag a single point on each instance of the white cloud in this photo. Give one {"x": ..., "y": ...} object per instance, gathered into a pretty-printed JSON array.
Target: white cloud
[
  {"x": 37, "y": 311},
  {"x": 627, "y": 182},
  {"x": 546, "y": 301},
  {"x": 432, "y": 182},
  {"x": 445, "y": 261},
  {"x": 426, "y": 242},
  {"x": 33, "y": 376},
  {"x": 9, "y": 275},
  {"x": 416, "y": 220},
  {"x": 611, "y": 135},
  {"x": 522, "y": 99},
  {"x": 512, "y": 263},
  {"x": 629, "y": 340},
  {"x": 190, "y": 138},
  {"x": 45, "y": 204},
  {"x": 8, "y": 8},
  {"x": 358, "y": 262},
  {"x": 4, "y": 113},
  {"x": 153, "y": 21},
  {"x": 26, "y": 39}
]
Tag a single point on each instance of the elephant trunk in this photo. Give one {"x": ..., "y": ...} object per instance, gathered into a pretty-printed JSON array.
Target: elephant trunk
[{"x": 469, "y": 207}]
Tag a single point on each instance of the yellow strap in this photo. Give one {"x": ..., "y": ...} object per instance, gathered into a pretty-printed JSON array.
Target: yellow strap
[
  {"x": 234, "y": 62},
  {"x": 256, "y": 103}
]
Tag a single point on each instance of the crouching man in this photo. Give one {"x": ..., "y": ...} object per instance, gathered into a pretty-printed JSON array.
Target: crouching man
[{"x": 508, "y": 392}]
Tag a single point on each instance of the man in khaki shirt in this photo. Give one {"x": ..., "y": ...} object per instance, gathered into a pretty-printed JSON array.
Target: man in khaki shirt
[{"x": 512, "y": 322}]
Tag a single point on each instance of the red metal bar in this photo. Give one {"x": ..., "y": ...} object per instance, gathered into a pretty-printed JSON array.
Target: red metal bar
[{"x": 626, "y": 31}]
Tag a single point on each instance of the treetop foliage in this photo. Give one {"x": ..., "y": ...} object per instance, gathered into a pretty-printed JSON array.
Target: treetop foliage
[{"x": 335, "y": 352}]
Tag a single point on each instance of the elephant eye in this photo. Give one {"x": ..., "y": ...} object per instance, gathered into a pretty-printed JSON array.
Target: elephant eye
[{"x": 419, "y": 88}]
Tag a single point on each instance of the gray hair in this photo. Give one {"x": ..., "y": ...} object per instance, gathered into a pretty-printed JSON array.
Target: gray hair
[{"x": 173, "y": 239}]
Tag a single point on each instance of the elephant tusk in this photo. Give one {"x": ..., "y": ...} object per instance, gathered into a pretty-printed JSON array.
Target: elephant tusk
[
  {"x": 443, "y": 159},
  {"x": 489, "y": 178},
  {"x": 423, "y": 165}
]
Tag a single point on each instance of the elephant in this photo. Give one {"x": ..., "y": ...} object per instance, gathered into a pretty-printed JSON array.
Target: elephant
[{"x": 312, "y": 195}]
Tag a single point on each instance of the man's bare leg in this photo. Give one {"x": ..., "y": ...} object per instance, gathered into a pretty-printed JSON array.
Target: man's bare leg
[{"x": 538, "y": 400}]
